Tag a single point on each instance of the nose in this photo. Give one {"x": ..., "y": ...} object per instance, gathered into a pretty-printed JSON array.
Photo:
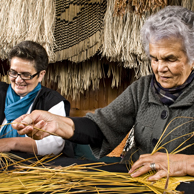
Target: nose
[
  {"x": 162, "y": 66},
  {"x": 19, "y": 78}
]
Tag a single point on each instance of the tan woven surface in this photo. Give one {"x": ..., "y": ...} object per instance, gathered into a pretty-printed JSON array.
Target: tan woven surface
[{"x": 118, "y": 150}]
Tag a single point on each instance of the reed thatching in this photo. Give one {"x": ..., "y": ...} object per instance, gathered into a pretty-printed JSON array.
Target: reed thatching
[
  {"x": 72, "y": 80},
  {"x": 26, "y": 20},
  {"x": 137, "y": 6},
  {"x": 122, "y": 23},
  {"x": 76, "y": 31}
]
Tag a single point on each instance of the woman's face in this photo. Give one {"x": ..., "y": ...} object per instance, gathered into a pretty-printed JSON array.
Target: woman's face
[
  {"x": 20, "y": 86},
  {"x": 169, "y": 62}
]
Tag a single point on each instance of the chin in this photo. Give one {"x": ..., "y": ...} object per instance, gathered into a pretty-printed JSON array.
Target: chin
[
  {"x": 19, "y": 92},
  {"x": 166, "y": 86}
]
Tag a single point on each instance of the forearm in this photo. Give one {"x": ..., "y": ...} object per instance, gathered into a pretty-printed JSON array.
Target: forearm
[
  {"x": 58, "y": 125},
  {"x": 23, "y": 144},
  {"x": 86, "y": 132}
]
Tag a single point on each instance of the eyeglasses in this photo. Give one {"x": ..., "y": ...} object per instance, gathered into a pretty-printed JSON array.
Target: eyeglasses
[{"x": 24, "y": 76}]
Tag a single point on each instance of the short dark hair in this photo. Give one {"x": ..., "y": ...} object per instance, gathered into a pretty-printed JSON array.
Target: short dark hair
[{"x": 31, "y": 51}]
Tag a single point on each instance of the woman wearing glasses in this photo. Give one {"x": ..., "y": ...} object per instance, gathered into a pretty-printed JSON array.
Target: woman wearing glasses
[{"x": 28, "y": 63}]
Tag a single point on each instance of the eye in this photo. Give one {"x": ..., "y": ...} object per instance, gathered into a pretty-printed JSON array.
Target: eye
[
  {"x": 25, "y": 74},
  {"x": 12, "y": 72},
  {"x": 154, "y": 59},
  {"x": 171, "y": 60}
]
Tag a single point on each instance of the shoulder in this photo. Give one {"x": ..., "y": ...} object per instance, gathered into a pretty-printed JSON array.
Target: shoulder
[
  {"x": 140, "y": 85},
  {"x": 47, "y": 98},
  {"x": 50, "y": 94},
  {"x": 144, "y": 80},
  {"x": 4, "y": 86}
]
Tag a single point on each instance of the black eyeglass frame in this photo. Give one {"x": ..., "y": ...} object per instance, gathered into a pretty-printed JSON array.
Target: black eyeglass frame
[{"x": 20, "y": 74}]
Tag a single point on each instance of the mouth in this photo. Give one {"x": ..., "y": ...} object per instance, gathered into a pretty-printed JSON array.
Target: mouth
[
  {"x": 20, "y": 85},
  {"x": 164, "y": 78}
]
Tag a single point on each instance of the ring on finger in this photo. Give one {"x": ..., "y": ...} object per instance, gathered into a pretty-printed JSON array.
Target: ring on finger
[{"x": 153, "y": 166}]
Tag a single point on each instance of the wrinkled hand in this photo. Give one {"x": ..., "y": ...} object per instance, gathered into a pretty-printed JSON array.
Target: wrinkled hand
[
  {"x": 40, "y": 124},
  {"x": 180, "y": 165}
]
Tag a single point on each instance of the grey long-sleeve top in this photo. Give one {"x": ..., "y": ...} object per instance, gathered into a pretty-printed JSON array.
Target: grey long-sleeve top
[{"x": 140, "y": 107}]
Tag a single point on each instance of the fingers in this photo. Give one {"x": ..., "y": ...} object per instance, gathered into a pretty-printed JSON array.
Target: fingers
[
  {"x": 148, "y": 158},
  {"x": 39, "y": 130},
  {"x": 143, "y": 160},
  {"x": 143, "y": 165},
  {"x": 25, "y": 124},
  {"x": 142, "y": 170},
  {"x": 27, "y": 120},
  {"x": 160, "y": 174}
]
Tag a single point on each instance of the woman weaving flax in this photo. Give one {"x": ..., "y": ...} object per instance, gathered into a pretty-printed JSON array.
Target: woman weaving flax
[
  {"x": 28, "y": 63},
  {"x": 148, "y": 104}
]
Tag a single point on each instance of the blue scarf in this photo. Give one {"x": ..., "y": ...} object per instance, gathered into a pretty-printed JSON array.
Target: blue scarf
[
  {"x": 168, "y": 96},
  {"x": 14, "y": 108}
]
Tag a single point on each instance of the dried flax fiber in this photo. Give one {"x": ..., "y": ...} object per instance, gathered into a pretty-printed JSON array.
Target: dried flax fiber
[
  {"x": 78, "y": 30},
  {"x": 41, "y": 176},
  {"x": 122, "y": 23},
  {"x": 26, "y": 20}
]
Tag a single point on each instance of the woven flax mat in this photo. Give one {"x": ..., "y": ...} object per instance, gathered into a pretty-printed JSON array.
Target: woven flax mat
[{"x": 78, "y": 29}]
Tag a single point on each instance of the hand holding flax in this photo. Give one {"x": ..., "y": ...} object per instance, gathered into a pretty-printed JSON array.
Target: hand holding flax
[
  {"x": 180, "y": 165},
  {"x": 40, "y": 124}
]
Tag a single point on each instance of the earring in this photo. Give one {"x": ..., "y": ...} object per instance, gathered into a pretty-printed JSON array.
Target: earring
[{"x": 193, "y": 68}]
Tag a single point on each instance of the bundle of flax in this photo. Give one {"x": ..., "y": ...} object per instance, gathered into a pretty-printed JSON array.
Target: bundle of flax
[
  {"x": 40, "y": 176},
  {"x": 79, "y": 179}
]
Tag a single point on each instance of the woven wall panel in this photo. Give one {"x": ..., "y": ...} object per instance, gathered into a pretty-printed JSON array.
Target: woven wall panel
[{"x": 78, "y": 29}]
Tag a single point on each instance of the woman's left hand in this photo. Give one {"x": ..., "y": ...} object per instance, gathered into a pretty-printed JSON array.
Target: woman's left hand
[{"x": 180, "y": 165}]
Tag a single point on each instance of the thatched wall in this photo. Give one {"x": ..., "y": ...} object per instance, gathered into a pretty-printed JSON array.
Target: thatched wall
[{"x": 76, "y": 34}]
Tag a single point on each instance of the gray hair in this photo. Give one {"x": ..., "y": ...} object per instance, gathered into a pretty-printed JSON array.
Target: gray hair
[{"x": 171, "y": 21}]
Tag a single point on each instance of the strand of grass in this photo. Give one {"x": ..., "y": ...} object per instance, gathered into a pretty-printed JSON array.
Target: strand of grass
[
  {"x": 183, "y": 148},
  {"x": 95, "y": 181},
  {"x": 174, "y": 151},
  {"x": 178, "y": 138},
  {"x": 119, "y": 182},
  {"x": 168, "y": 160},
  {"x": 7, "y": 132},
  {"x": 8, "y": 158},
  {"x": 160, "y": 139},
  {"x": 27, "y": 125}
]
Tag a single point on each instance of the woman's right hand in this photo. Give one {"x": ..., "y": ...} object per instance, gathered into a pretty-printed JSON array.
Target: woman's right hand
[
  {"x": 48, "y": 123},
  {"x": 180, "y": 165}
]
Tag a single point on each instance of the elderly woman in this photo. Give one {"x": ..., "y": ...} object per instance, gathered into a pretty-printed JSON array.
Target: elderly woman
[
  {"x": 28, "y": 63},
  {"x": 148, "y": 104}
]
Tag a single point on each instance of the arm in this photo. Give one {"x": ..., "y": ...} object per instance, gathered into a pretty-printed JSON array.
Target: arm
[
  {"x": 180, "y": 165},
  {"x": 86, "y": 131},
  {"x": 54, "y": 143},
  {"x": 24, "y": 144},
  {"x": 48, "y": 122},
  {"x": 40, "y": 147}
]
